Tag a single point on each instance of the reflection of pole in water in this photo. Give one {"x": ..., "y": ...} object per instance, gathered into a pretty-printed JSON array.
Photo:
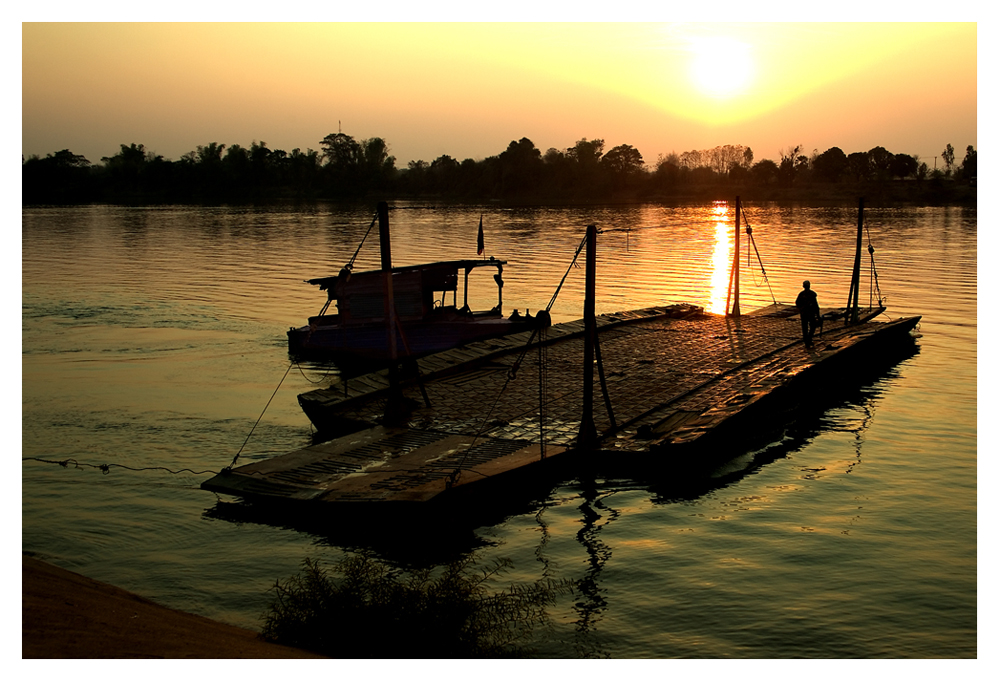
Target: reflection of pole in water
[
  {"x": 592, "y": 604},
  {"x": 868, "y": 407}
]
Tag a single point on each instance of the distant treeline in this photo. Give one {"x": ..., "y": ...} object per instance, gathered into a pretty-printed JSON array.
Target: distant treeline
[{"x": 347, "y": 169}]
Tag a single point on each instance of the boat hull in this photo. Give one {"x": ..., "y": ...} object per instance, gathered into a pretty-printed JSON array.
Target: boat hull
[{"x": 371, "y": 341}]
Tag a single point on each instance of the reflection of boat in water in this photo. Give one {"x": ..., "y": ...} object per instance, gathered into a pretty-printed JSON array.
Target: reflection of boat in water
[
  {"x": 406, "y": 315},
  {"x": 426, "y": 322}
]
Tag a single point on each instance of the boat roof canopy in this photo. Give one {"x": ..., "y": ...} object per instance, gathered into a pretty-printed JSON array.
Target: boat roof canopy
[{"x": 437, "y": 271}]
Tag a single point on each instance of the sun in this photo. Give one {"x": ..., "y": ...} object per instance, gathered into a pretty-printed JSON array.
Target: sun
[{"x": 721, "y": 68}]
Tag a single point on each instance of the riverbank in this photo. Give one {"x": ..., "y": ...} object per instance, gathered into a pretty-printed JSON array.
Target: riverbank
[{"x": 67, "y": 615}]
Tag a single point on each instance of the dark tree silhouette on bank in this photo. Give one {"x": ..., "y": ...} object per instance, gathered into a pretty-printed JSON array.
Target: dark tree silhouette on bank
[{"x": 349, "y": 170}]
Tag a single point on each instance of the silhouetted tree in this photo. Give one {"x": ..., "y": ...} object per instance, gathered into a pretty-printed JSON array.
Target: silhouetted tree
[
  {"x": 62, "y": 177},
  {"x": 444, "y": 175},
  {"x": 521, "y": 165},
  {"x": 830, "y": 165},
  {"x": 379, "y": 168},
  {"x": 587, "y": 154},
  {"x": 126, "y": 170},
  {"x": 667, "y": 173},
  {"x": 787, "y": 167},
  {"x": 624, "y": 165},
  {"x": 880, "y": 162},
  {"x": 949, "y": 158},
  {"x": 903, "y": 166},
  {"x": 969, "y": 165},
  {"x": 859, "y": 166},
  {"x": 764, "y": 172}
]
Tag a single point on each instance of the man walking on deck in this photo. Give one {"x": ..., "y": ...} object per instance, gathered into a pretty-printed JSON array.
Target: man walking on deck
[{"x": 808, "y": 307}]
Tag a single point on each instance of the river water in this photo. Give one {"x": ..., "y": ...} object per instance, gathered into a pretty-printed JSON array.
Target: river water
[{"x": 153, "y": 338}]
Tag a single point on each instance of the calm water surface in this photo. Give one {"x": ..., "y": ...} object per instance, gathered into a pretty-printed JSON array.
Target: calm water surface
[{"x": 154, "y": 337}]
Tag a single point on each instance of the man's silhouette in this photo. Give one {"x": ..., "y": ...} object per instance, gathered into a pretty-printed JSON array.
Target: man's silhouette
[{"x": 809, "y": 311}]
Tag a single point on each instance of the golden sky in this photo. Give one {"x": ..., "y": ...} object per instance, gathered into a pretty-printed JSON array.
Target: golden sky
[{"x": 468, "y": 89}]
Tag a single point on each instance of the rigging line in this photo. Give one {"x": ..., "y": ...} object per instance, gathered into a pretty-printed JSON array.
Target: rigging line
[
  {"x": 874, "y": 273},
  {"x": 749, "y": 231},
  {"x": 106, "y": 468},
  {"x": 350, "y": 263},
  {"x": 512, "y": 373},
  {"x": 563, "y": 280},
  {"x": 323, "y": 378},
  {"x": 233, "y": 463}
]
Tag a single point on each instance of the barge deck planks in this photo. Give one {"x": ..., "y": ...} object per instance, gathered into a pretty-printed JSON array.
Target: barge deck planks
[{"x": 675, "y": 377}]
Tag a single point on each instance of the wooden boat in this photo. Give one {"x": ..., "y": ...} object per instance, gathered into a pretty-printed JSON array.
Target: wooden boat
[
  {"x": 426, "y": 322},
  {"x": 414, "y": 303}
]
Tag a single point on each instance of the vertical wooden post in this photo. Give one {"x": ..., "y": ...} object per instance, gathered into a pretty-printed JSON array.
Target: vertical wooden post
[
  {"x": 736, "y": 262},
  {"x": 852, "y": 297},
  {"x": 588, "y": 431},
  {"x": 389, "y": 304}
]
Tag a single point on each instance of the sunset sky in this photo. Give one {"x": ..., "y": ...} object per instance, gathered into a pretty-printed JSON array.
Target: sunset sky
[{"x": 468, "y": 89}]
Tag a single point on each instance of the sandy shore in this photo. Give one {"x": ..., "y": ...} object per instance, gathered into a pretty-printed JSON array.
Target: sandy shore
[{"x": 65, "y": 615}]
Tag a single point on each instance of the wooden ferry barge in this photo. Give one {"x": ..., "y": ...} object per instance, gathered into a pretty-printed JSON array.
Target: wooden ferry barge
[{"x": 672, "y": 383}]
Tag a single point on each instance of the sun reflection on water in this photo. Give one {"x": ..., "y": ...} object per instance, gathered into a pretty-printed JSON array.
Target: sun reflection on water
[{"x": 720, "y": 259}]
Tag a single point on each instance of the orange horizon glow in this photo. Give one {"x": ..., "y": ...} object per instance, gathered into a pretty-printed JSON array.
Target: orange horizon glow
[{"x": 467, "y": 90}]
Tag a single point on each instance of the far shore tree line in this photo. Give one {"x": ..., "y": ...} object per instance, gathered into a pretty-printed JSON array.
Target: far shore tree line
[{"x": 348, "y": 169}]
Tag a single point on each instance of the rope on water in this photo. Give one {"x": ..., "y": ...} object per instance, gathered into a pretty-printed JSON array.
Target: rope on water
[{"x": 106, "y": 468}]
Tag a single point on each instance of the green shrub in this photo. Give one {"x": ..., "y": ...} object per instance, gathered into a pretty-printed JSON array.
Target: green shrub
[{"x": 361, "y": 608}]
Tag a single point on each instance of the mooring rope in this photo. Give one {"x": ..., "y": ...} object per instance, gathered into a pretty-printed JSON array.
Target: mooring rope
[
  {"x": 233, "y": 463},
  {"x": 106, "y": 468},
  {"x": 749, "y": 231}
]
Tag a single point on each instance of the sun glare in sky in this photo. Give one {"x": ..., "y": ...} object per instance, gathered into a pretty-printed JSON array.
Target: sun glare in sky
[{"x": 721, "y": 67}]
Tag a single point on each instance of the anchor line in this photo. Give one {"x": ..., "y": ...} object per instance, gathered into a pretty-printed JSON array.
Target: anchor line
[
  {"x": 283, "y": 376},
  {"x": 106, "y": 468}
]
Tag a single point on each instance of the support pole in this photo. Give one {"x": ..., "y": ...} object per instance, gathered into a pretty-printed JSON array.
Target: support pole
[
  {"x": 588, "y": 432},
  {"x": 389, "y": 306},
  {"x": 736, "y": 262},
  {"x": 852, "y": 297}
]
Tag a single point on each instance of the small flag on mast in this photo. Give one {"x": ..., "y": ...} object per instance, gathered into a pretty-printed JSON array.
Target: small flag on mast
[{"x": 480, "y": 242}]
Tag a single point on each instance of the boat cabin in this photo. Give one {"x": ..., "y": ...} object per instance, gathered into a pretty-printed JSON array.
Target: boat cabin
[{"x": 417, "y": 290}]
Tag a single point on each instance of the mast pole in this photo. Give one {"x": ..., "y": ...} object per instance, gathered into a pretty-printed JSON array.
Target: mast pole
[
  {"x": 852, "y": 297},
  {"x": 736, "y": 263},
  {"x": 388, "y": 300},
  {"x": 588, "y": 431}
]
